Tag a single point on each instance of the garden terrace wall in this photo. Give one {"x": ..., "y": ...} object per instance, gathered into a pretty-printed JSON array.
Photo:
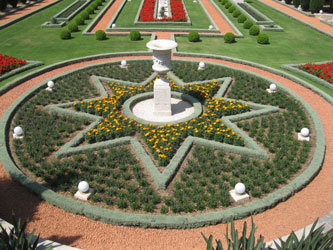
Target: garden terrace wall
[
  {"x": 157, "y": 221},
  {"x": 294, "y": 68}
]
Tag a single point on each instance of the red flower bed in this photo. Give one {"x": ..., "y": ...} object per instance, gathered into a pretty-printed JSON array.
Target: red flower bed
[
  {"x": 8, "y": 63},
  {"x": 323, "y": 71},
  {"x": 177, "y": 11}
]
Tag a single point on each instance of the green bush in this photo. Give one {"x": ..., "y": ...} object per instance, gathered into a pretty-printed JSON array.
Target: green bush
[
  {"x": 247, "y": 24},
  {"x": 223, "y": 2},
  {"x": 3, "y": 4},
  {"x": 296, "y": 3},
  {"x": 305, "y": 4},
  {"x": 236, "y": 13},
  {"x": 90, "y": 9},
  {"x": 316, "y": 5},
  {"x": 193, "y": 36},
  {"x": 100, "y": 35},
  {"x": 72, "y": 27},
  {"x": 98, "y": 2},
  {"x": 65, "y": 34},
  {"x": 79, "y": 20},
  {"x": 85, "y": 15},
  {"x": 229, "y": 37},
  {"x": 242, "y": 18},
  {"x": 135, "y": 35},
  {"x": 227, "y": 5},
  {"x": 254, "y": 30},
  {"x": 231, "y": 9},
  {"x": 263, "y": 38}
]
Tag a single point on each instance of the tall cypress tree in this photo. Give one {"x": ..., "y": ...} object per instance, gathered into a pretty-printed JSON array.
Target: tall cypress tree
[
  {"x": 305, "y": 4},
  {"x": 3, "y": 5},
  {"x": 316, "y": 5}
]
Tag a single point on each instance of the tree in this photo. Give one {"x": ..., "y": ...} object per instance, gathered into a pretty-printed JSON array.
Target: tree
[{"x": 316, "y": 5}]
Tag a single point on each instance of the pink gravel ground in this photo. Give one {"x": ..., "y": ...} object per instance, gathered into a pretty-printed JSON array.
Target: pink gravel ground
[{"x": 75, "y": 230}]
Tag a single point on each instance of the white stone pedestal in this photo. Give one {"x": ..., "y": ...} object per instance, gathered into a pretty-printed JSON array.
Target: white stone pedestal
[
  {"x": 83, "y": 196},
  {"x": 238, "y": 197},
  {"x": 162, "y": 98},
  {"x": 270, "y": 91},
  {"x": 17, "y": 137},
  {"x": 303, "y": 138}
]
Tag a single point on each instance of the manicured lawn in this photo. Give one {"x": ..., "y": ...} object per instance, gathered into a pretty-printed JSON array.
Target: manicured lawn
[{"x": 198, "y": 17}]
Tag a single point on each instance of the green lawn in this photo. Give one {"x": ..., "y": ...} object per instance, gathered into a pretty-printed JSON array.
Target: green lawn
[
  {"x": 197, "y": 15},
  {"x": 297, "y": 44}
]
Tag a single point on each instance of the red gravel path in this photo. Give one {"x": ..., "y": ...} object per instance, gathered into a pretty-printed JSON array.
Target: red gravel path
[
  {"x": 307, "y": 19},
  {"x": 53, "y": 223},
  {"x": 24, "y": 11}
]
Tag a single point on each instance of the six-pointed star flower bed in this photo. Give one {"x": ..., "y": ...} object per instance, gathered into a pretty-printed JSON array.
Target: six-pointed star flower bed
[{"x": 81, "y": 131}]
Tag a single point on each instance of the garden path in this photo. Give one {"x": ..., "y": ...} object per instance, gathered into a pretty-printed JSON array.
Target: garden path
[
  {"x": 75, "y": 230},
  {"x": 25, "y": 11},
  {"x": 307, "y": 19}
]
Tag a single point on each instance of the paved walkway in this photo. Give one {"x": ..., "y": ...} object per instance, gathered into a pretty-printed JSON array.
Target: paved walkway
[
  {"x": 307, "y": 19},
  {"x": 25, "y": 11},
  {"x": 297, "y": 212}
]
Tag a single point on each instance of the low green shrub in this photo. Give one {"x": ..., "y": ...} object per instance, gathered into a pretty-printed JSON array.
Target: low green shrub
[
  {"x": 90, "y": 9},
  {"x": 227, "y": 5},
  {"x": 223, "y": 2},
  {"x": 247, "y": 24},
  {"x": 236, "y": 13},
  {"x": 231, "y": 9},
  {"x": 135, "y": 35},
  {"x": 242, "y": 18},
  {"x": 254, "y": 30},
  {"x": 193, "y": 36},
  {"x": 65, "y": 34},
  {"x": 85, "y": 15},
  {"x": 72, "y": 27},
  {"x": 98, "y": 2},
  {"x": 263, "y": 38},
  {"x": 100, "y": 35},
  {"x": 229, "y": 37},
  {"x": 79, "y": 20}
]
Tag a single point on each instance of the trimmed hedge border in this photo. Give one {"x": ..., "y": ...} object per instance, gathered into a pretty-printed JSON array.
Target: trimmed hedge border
[
  {"x": 28, "y": 14},
  {"x": 294, "y": 68},
  {"x": 326, "y": 96},
  {"x": 29, "y": 65},
  {"x": 158, "y": 221},
  {"x": 73, "y": 13},
  {"x": 299, "y": 20}
]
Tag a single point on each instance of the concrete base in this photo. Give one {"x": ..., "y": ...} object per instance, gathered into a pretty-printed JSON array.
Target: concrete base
[
  {"x": 48, "y": 89},
  {"x": 270, "y": 91},
  {"x": 199, "y": 68},
  {"x": 83, "y": 196},
  {"x": 162, "y": 98},
  {"x": 17, "y": 137},
  {"x": 302, "y": 138},
  {"x": 238, "y": 197},
  {"x": 123, "y": 66}
]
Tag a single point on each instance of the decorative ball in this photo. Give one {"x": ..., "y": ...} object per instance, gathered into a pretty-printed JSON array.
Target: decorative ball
[
  {"x": 321, "y": 11},
  {"x": 50, "y": 84},
  {"x": 18, "y": 131},
  {"x": 305, "y": 132},
  {"x": 202, "y": 65},
  {"x": 83, "y": 186},
  {"x": 211, "y": 27},
  {"x": 272, "y": 87},
  {"x": 123, "y": 63},
  {"x": 113, "y": 25},
  {"x": 240, "y": 188}
]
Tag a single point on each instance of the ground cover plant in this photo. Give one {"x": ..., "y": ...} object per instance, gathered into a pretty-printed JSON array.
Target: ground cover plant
[
  {"x": 323, "y": 71},
  {"x": 119, "y": 179},
  {"x": 8, "y": 63}
]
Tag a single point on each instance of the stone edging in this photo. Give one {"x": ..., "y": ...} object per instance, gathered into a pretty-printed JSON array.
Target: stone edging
[
  {"x": 29, "y": 65},
  {"x": 158, "y": 221},
  {"x": 294, "y": 68},
  {"x": 28, "y": 14},
  {"x": 297, "y": 19}
]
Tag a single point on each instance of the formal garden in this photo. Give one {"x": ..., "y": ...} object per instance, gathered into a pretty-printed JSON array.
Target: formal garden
[{"x": 86, "y": 66}]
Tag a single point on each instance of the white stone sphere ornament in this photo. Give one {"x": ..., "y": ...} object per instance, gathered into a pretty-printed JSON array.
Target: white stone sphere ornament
[
  {"x": 113, "y": 26},
  {"x": 50, "y": 85},
  {"x": 304, "y": 135},
  {"x": 211, "y": 27},
  {"x": 18, "y": 133},
  {"x": 83, "y": 187},
  {"x": 201, "y": 66},
  {"x": 272, "y": 88},
  {"x": 240, "y": 188},
  {"x": 321, "y": 12},
  {"x": 123, "y": 64}
]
